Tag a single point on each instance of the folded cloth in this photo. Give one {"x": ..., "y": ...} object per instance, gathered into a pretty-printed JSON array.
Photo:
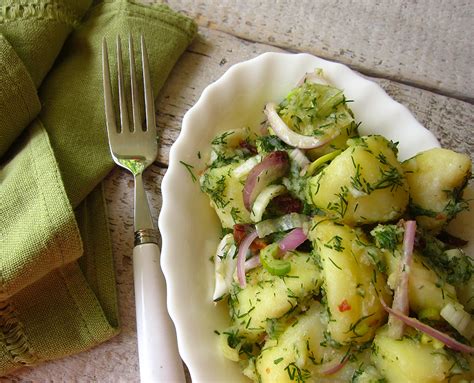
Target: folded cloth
[{"x": 57, "y": 285}]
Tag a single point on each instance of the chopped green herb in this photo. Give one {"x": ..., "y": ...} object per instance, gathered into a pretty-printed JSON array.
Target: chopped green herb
[
  {"x": 189, "y": 168},
  {"x": 391, "y": 178},
  {"x": 297, "y": 374},
  {"x": 387, "y": 236},
  {"x": 267, "y": 144},
  {"x": 329, "y": 341},
  {"x": 340, "y": 207},
  {"x": 455, "y": 267},
  {"x": 334, "y": 263},
  {"x": 335, "y": 243},
  {"x": 222, "y": 138},
  {"x": 235, "y": 213}
]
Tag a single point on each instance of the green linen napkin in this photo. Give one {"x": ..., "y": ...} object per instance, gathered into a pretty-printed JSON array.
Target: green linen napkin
[{"x": 57, "y": 286}]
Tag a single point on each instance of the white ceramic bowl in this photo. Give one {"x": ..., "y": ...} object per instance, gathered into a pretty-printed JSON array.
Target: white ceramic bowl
[{"x": 189, "y": 226}]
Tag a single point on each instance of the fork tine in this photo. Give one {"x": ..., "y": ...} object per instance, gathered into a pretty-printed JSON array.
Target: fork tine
[
  {"x": 122, "y": 98},
  {"x": 109, "y": 106},
  {"x": 137, "y": 118},
  {"x": 148, "y": 91}
]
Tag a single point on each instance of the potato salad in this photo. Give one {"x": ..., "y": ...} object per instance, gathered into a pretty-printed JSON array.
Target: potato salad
[{"x": 334, "y": 261}]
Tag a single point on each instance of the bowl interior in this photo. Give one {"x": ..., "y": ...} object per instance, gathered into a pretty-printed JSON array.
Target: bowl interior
[{"x": 189, "y": 226}]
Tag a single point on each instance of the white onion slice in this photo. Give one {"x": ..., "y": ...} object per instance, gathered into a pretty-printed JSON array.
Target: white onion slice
[
  {"x": 283, "y": 223},
  {"x": 292, "y": 240},
  {"x": 242, "y": 254},
  {"x": 299, "y": 157},
  {"x": 400, "y": 299},
  {"x": 337, "y": 367},
  {"x": 315, "y": 77},
  {"x": 263, "y": 199},
  {"x": 442, "y": 337},
  {"x": 455, "y": 315},
  {"x": 292, "y": 138},
  {"x": 246, "y": 167},
  {"x": 224, "y": 266}
]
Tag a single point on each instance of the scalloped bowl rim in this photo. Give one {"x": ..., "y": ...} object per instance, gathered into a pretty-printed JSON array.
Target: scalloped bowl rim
[{"x": 188, "y": 225}]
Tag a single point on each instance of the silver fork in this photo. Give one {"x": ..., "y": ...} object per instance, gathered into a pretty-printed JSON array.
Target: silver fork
[{"x": 135, "y": 148}]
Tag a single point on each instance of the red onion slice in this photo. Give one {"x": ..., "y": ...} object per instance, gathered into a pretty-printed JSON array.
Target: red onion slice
[
  {"x": 292, "y": 138},
  {"x": 243, "y": 248},
  {"x": 292, "y": 240},
  {"x": 252, "y": 263},
  {"x": 400, "y": 298},
  {"x": 442, "y": 337},
  {"x": 272, "y": 167},
  {"x": 335, "y": 368}
]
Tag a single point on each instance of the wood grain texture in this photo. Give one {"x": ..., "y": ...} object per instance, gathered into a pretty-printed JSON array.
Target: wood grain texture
[
  {"x": 210, "y": 55},
  {"x": 423, "y": 43},
  {"x": 213, "y": 52}
]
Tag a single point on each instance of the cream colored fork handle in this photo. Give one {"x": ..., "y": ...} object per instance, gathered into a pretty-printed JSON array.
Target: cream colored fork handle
[{"x": 157, "y": 349}]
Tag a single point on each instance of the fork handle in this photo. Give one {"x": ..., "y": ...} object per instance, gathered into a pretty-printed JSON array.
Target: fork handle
[{"x": 157, "y": 349}]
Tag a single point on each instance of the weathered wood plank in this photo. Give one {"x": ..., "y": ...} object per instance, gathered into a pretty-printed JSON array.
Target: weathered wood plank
[
  {"x": 449, "y": 119},
  {"x": 213, "y": 52},
  {"x": 424, "y": 43},
  {"x": 205, "y": 61}
]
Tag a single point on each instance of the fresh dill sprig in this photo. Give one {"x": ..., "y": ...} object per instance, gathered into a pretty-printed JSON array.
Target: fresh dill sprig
[
  {"x": 222, "y": 138},
  {"x": 189, "y": 168}
]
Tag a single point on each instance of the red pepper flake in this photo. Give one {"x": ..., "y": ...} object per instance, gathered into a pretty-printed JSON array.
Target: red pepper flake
[{"x": 344, "y": 306}]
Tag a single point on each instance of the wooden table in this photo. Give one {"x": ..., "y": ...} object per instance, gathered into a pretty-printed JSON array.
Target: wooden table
[{"x": 421, "y": 53}]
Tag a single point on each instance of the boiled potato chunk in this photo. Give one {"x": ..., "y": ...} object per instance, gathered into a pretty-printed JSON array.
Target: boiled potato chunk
[
  {"x": 225, "y": 193},
  {"x": 364, "y": 184},
  {"x": 426, "y": 291},
  {"x": 436, "y": 178},
  {"x": 348, "y": 130},
  {"x": 231, "y": 140},
  {"x": 268, "y": 296},
  {"x": 297, "y": 353},
  {"x": 351, "y": 282},
  {"x": 408, "y": 360},
  {"x": 367, "y": 374}
]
